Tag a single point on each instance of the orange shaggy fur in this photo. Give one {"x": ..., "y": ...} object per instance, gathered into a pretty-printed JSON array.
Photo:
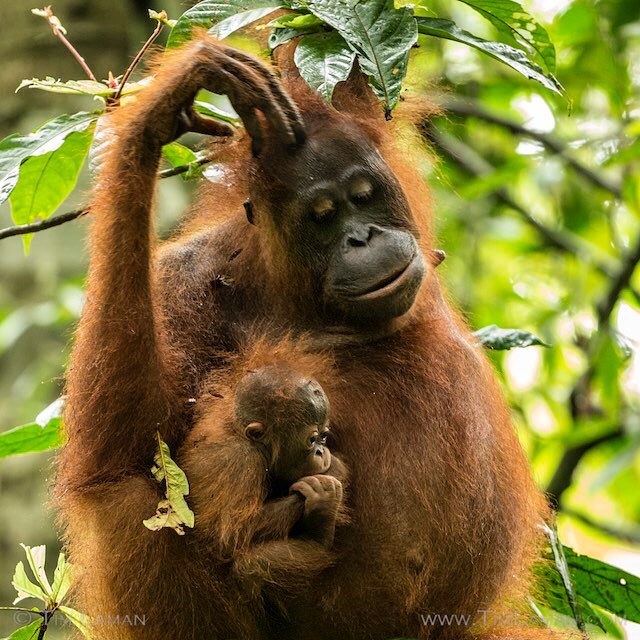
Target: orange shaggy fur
[{"x": 443, "y": 508}]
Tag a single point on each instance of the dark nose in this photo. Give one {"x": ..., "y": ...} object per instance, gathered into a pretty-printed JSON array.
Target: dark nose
[
  {"x": 318, "y": 451},
  {"x": 361, "y": 236}
]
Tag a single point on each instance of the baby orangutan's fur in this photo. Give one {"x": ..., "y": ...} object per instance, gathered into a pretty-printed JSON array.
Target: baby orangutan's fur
[{"x": 335, "y": 245}]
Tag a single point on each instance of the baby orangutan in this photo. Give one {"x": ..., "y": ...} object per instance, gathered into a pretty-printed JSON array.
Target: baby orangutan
[
  {"x": 266, "y": 491},
  {"x": 286, "y": 416}
]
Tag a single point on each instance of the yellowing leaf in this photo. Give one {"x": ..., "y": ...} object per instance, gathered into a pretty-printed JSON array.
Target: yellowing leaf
[{"x": 173, "y": 512}]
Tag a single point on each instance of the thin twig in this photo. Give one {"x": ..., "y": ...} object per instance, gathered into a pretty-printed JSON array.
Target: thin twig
[
  {"x": 55, "y": 221},
  {"x": 58, "y": 30},
  {"x": 473, "y": 110},
  {"x": 136, "y": 60}
]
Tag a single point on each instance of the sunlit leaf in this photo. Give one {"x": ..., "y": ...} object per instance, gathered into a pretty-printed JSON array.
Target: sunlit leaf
[
  {"x": 174, "y": 511},
  {"x": 30, "y": 438},
  {"x": 179, "y": 155},
  {"x": 239, "y": 21},
  {"x": 50, "y": 136},
  {"x": 510, "y": 17},
  {"x": 76, "y": 87},
  {"x": 380, "y": 34},
  {"x": 514, "y": 58},
  {"x": 499, "y": 339},
  {"x": 45, "y": 181},
  {"x": 36, "y": 557},
  {"x": 211, "y": 111},
  {"x": 54, "y": 410},
  {"x": 205, "y": 14},
  {"x": 62, "y": 579},
  {"x": 24, "y": 586},
  {"x": 324, "y": 59}
]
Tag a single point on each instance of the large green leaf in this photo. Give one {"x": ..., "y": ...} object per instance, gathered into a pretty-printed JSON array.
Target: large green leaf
[
  {"x": 606, "y": 586},
  {"x": 173, "y": 512},
  {"x": 510, "y": 18},
  {"x": 380, "y": 34},
  {"x": 514, "y": 58},
  {"x": 15, "y": 149},
  {"x": 324, "y": 59},
  {"x": 205, "y": 14},
  {"x": 28, "y": 632},
  {"x": 30, "y": 438},
  {"x": 551, "y": 593},
  {"x": 494, "y": 337},
  {"x": 46, "y": 180},
  {"x": 239, "y": 21}
]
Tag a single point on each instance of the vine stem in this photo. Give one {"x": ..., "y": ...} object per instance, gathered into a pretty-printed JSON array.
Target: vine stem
[{"x": 58, "y": 29}]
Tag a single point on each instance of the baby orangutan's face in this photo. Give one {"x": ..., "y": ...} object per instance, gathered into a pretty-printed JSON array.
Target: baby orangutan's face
[{"x": 286, "y": 415}]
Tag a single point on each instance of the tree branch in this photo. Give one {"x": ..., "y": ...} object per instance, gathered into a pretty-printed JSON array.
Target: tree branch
[
  {"x": 632, "y": 536},
  {"x": 474, "y": 164},
  {"x": 55, "y": 221},
  {"x": 580, "y": 401},
  {"x": 470, "y": 109}
]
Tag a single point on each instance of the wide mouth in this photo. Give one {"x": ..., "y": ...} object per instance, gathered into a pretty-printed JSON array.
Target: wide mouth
[{"x": 390, "y": 283}]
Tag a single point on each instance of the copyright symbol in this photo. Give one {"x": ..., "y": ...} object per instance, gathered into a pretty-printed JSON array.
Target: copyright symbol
[{"x": 23, "y": 617}]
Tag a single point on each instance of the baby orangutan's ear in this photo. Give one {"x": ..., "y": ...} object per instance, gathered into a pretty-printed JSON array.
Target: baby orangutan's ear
[{"x": 255, "y": 431}]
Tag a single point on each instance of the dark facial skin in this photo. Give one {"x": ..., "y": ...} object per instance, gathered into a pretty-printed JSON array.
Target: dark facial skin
[
  {"x": 287, "y": 416},
  {"x": 348, "y": 221}
]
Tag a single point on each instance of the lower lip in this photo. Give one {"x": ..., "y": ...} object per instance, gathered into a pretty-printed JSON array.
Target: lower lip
[{"x": 397, "y": 283}]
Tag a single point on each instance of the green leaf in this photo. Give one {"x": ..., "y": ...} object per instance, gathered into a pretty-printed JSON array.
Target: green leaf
[
  {"x": 23, "y": 585},
  {"x": 510, "y": 18},
  {"x": 562, "y": 566},
  {"x": 80, "y": 620},
  {"x": 324, "y": 59},
  {"x": 174, "y": 511},
  {"x": 550, "y": 592},
  {"x": 512, "y": 57},
  {"x": 211, "y": 111},
  {"x": 606, "y": 586},
  {"x": 82, "y": 87},
  {"x": 281, "y": 35},
  {"x": 239, "y": 21},
  {"x": 205, "y": 14},
  {"x": 179, "y": 155},
  {"x": 299, "y": 21},
  {"x": 494, "y": 337},
  {"x": 50, "y": 136},
  {"x": 380, "y": 34},
  {"x": 36, "y": 557},
  {"x": 45, "y": 181},
  {"x": 62, "y": 579},
  {"x": 30, "y": 438},
  {"x": 30, "y": 632},
  {"x": 51, "y": 411}
]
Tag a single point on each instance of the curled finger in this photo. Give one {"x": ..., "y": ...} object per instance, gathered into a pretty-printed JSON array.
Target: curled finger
[{"x": 287, "y": 105}]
